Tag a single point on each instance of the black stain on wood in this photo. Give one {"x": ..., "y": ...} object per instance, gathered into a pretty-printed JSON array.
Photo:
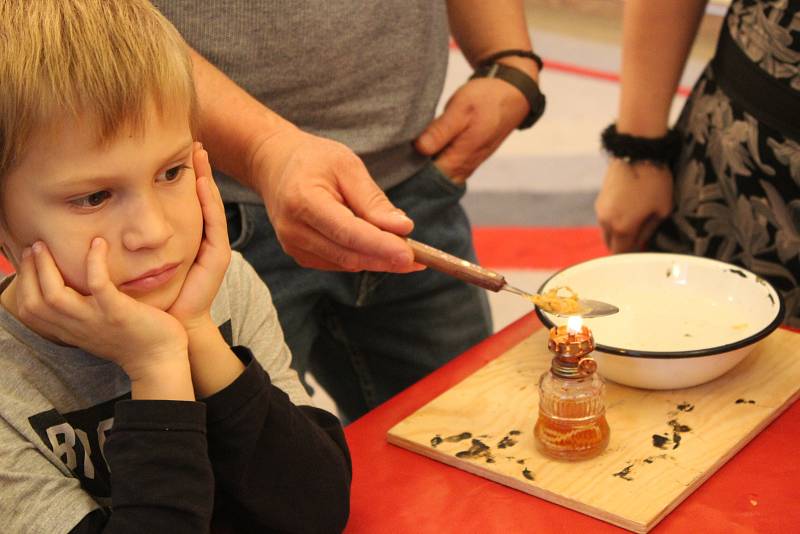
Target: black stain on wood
[
  {"x": 660, "y": 441},
  {"x": 625, "y": 474},
  {"x": 478, "y": 450},
  {"x": 507, "y": 441},
  {"x": 686, "y": 407},
  {"x": 458, "y": 437},
  {"x": 455, "y": 438},
  {"x": 521, "y": 461},
  {"x": 677, "y": 427},
  {"x": 743, "y": 401},
  {"x": 527, "y": 474}
]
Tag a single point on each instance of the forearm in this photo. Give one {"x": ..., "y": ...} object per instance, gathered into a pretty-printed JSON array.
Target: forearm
[
  {"x": 234, "y": 126},
  {"x": 214, "y": 366},
  {"x": 161, "y": 475},
  {"x": 657, "y": 37},
  {"x": 170, "y": 380},
  {"x": 280, "y": 466},
  {"x": 482, "y": 28}
]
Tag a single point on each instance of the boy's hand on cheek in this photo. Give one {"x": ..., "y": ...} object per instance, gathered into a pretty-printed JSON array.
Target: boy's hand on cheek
[
  {"x": 141, "y": 339},
  {"x": 213, "y": 365},
  {"x": 193, "y": 305}
]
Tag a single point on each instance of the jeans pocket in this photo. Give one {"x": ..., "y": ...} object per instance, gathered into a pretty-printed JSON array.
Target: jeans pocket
[
  {"x": 240, "y": 227},
  {"x": 445, "y": 182}
]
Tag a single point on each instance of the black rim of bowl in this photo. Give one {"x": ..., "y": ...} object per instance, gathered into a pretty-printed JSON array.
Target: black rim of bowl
[{"x": 608, "y": 349}]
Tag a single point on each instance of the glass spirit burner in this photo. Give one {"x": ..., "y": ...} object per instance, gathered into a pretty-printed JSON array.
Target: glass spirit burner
[{"x": 572, "y": 422}]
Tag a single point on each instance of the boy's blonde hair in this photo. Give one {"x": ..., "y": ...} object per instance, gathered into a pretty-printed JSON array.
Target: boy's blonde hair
[{"x": 66, "y": 59}]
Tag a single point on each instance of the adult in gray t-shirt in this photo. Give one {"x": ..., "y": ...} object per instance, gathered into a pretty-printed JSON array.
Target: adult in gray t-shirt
[{"x": 323, "y": 110}]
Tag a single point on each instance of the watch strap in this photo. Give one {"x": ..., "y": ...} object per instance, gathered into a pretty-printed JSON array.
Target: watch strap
[
  {"x": 519, "y": 79},
  {"x": 513, "y": 52}
]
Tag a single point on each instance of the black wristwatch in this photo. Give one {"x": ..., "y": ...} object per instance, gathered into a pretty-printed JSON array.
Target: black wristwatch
[{"x": 521, "y": 81}]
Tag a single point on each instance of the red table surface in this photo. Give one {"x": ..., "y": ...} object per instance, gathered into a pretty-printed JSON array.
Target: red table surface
[{"x": 398, "y": 491}]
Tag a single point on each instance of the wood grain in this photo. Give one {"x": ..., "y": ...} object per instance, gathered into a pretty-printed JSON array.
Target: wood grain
[{"x": 634, "y": 483}]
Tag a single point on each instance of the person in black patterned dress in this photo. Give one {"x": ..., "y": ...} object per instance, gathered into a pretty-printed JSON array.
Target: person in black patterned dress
[{"x": 731, "y": 188}]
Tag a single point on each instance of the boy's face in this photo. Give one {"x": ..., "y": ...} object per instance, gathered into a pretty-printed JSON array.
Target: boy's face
[{"x": 137, "y": 192}]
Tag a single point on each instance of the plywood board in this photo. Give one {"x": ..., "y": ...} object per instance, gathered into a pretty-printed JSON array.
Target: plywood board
[{"x": 664, "y": 444}]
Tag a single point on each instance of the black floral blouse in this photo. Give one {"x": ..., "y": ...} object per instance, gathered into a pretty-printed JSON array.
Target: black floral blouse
[{"x": 737, "y": 181}]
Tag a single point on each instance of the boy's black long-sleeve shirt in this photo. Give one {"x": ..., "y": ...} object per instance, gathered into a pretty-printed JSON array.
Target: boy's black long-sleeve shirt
[
  {"x": 76, "y": 454},
  {"x": 161, "y": 455}
]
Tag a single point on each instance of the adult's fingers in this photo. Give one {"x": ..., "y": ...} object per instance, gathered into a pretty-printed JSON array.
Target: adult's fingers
[
  {"x": 441, "y": 131},
  {"x": 623, "y": 242},
  {"x": 606, "y": 232},
  {"x": 619, "y": 231},
  {"x": 366, "y": 200},
  {"x": 647, "y": 230},
  {"x": 312, "y": 248},
  {"x": 313, "y": 261},
  {"x": 479, "y": 116},
  {"x": 460, "y": 159},
  {"x": 629, "y": 232},
  {"x": 452, "y": 145},
  {"x": 349, "y": 240}
]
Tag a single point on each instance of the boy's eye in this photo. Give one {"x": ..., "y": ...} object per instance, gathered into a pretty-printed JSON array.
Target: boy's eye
[
  {"x": 93, "y": 200},
  {"x": 170, "y": 175}
]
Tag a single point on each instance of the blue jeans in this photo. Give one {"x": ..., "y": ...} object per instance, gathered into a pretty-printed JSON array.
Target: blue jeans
[{"x": 366, "y": 336}]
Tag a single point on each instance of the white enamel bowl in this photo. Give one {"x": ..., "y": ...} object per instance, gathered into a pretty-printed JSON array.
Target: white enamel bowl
[{"x": 683, "y": 320}]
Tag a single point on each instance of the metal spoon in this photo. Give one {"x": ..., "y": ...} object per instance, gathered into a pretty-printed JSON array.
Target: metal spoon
[{"x": 441, "y": 261}]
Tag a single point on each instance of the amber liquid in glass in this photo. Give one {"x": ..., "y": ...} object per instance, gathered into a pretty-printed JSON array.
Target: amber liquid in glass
[
  {"x": 571, "y": 439},
  {"x": 572, "y": 417}
]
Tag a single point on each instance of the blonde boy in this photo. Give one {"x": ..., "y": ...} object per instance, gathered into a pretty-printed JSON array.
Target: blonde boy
[{"x": 133, "y": 344}]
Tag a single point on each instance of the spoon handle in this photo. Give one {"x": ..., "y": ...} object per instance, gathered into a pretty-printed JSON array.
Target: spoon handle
[{"x": 441, "y": 261}]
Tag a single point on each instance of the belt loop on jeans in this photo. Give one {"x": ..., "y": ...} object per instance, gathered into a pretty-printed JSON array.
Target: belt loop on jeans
[{"x": 767, "y": 99}]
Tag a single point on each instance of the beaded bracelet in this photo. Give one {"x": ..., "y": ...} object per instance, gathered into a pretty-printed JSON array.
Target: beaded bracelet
[{"x": 660, "y": 151}]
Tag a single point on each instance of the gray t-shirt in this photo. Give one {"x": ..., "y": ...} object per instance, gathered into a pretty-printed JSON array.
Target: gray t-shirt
[
  {"x": 57, "y": 406},
  {"x": 368, "y": 74}
]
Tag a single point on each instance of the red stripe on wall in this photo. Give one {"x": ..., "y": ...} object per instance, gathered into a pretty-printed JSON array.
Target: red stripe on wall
[
  {"x": 537, "y": 248},
  {"x": 584, "y": 71},
  {"x": 597, "y": 74}
]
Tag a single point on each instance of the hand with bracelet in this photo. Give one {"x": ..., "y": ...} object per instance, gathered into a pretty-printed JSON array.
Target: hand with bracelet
[
  {"x": 502, "y": 94},
  {"x": 636, "y": 194}
]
